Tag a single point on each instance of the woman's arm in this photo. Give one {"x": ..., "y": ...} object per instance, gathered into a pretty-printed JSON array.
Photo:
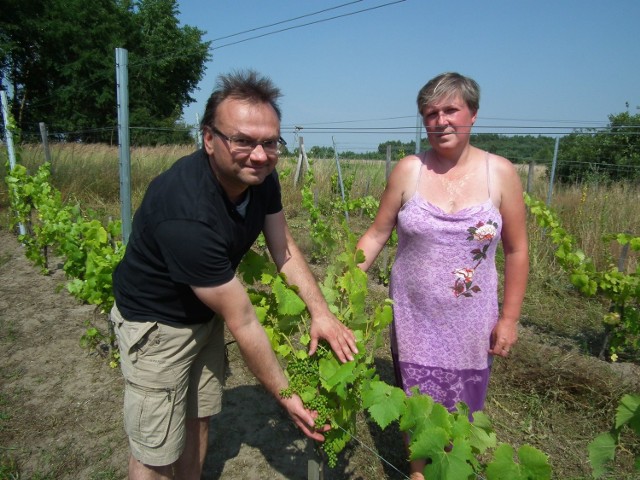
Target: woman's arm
[
  {"x": 516, "y": 256},
  {"x": 376, "y": 236}
]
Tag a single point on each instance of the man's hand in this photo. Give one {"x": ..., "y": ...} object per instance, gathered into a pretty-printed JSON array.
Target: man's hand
[
  {"x": 341, "y": 339},
  {"x": 303, "y": 418},
  {"x": 290, "y": 261}
]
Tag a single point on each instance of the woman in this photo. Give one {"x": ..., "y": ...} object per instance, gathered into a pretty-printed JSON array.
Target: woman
[{"x": 451, "y": 205}]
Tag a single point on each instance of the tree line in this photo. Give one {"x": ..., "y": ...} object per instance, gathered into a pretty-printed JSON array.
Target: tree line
[
  {"x": 608, "y": 154},
  {"x": 57, "y": 61},
  {"x": 518, "y": 149},
  {"x": 604, "y": 154}
]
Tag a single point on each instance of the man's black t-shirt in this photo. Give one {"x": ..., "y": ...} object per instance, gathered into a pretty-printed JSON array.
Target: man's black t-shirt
[{"x": 187, "y": 233}]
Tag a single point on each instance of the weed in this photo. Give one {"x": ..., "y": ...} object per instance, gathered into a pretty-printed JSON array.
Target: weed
[
  {"x": 4, "y": 259},
  {"x": 9, "y": 469}
]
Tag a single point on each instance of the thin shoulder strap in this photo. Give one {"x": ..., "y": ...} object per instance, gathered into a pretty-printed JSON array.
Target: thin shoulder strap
[
  {"x": 423, "y": 159},
  {"x": 488, "y": 174}
]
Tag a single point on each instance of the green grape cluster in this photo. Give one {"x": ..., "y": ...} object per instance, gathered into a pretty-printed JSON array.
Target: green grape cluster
[
  {"x": 330, "y": 449},
  {"x": 320, "y": 405},
  {"x": 302, "y": 374}
]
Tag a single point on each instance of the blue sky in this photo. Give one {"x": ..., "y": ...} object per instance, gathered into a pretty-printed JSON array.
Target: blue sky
[{"x": 544, "y": 67}]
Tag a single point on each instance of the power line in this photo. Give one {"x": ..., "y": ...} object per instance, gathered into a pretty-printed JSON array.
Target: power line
[
  {"x": 309, "y": 23},
  {"x": 582, "y": 123},
  {"x": 149, "y": 59},
  {"x": 284, "y": 21},
  {"x": 361, "y": 120},
  {"x": 593, "y": 122},
  {"x": 498, "y": 129}
]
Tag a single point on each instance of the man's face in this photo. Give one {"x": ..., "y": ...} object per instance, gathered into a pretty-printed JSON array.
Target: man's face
[{"x": 238, "y": 124}]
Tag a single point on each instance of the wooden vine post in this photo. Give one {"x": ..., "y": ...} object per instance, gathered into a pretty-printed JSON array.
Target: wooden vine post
[
  {"x": 303, "y": 162},
  {"x": 315, "y": 469}
]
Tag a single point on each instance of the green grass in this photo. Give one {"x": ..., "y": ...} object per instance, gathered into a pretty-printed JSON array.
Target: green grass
[
  {"x": 551, "y": 393},
  {"x": 8, "y": 468}
]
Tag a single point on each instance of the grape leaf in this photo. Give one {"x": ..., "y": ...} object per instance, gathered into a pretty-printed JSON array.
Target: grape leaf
[
  {"x": 251, "y": 267},
  {"x": 288, "y": 302},
  {"x": 503, "y": 466},
  {"x": 384, "y": 402},
  {"x": 535, "y": 464},
  {"x": 461, "y": 426},
  {"x": 340, "y": 379},
  {"x": 482, "y": 435},
  {"x": 418, "y": 410},
  {"x": 428, "y": 443},
  {"x": 327, "y": 369},
  {"x": 628, "y": 412},
  {"x": 452, "y": 464},
  {"x": 602, "y": 450}
]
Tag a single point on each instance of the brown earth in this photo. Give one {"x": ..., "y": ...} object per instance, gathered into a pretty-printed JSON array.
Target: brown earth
[{"x": 61, "y": 405}]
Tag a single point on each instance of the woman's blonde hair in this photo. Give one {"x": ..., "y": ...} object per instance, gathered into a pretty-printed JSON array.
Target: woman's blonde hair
[{"x": 447, "y": 85}]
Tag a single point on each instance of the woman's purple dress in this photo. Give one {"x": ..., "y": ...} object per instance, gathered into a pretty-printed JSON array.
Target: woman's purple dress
[{"x": 444, "y": 288}]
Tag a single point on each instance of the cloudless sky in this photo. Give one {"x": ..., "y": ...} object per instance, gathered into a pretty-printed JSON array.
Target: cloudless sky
[{"x": 544, "y": 67}]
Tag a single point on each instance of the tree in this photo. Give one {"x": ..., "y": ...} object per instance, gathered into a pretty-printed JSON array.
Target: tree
[
  {"x": 609, "y": 154},
  {"x": 517, "y": 148},
  {"x": 161, "y": 78},
  {"x": 321, "y": 152},
  {"x": 58, "y": 56}
]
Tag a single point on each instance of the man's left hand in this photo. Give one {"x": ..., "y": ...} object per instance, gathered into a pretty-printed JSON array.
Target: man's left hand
[{"x": 341, "y": 339}]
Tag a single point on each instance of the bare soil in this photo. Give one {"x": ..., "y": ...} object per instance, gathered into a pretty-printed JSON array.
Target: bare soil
[{"x": 61, "y": 405}]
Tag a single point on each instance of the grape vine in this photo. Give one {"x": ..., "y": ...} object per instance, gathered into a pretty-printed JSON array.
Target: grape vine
[
  {"x": 602, "y": 450},
  {"x": 322, "y": 215},
  {"x": 622, "y": 323},
  {"x": 90, "y": 250},
  {"x": 338, "y": 392}
]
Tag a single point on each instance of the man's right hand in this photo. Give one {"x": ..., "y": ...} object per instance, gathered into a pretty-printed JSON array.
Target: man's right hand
[{"x": 303, "y": 418}]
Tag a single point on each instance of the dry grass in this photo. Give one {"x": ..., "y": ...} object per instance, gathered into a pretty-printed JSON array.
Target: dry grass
[{"x": 552, "y": 393}]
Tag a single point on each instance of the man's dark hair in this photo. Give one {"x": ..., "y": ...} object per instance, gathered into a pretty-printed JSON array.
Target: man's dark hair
[{"x": 241, "y": 85}]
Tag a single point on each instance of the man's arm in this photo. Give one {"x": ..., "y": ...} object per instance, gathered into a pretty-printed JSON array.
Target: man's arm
[
  {"x": 232, "y": 303},
  {"x": 290, "y": 261}
]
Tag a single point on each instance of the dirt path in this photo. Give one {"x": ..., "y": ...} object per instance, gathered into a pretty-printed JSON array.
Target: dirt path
[
  {"x": 61, "y": 406},
  {"x": 61, "y": 414}
]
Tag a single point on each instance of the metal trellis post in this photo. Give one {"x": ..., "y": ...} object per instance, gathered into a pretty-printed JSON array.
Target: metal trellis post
[
  {"x": 124, "y": 154},
  {"x": 553, "y": 171},
  {"x": 335, "y": 151},
  {"x": 10, "y": 148}
]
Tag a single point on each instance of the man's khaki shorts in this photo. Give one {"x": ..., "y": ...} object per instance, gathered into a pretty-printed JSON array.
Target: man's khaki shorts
[{"x": 171, "y": 373}]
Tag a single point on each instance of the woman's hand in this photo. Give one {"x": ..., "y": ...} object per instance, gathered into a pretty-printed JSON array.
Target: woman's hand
[{"x": 503, "y": 337}]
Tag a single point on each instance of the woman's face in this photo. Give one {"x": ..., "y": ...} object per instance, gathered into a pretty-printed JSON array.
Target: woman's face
[{"x": 448, "y": 122}]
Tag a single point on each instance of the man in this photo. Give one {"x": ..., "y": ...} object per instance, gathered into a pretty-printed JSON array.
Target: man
[{"x": 176, "y": 286}]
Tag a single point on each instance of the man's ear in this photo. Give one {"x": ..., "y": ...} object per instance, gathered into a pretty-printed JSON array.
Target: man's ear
[{"x": 208, "y": 139}]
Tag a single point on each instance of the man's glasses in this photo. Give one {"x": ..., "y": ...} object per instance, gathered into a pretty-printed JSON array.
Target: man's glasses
[{"x": 244, "y": 146}]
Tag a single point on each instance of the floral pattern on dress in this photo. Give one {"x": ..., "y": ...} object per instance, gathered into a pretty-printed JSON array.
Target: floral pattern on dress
[{"x": 481, "y": 232}]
